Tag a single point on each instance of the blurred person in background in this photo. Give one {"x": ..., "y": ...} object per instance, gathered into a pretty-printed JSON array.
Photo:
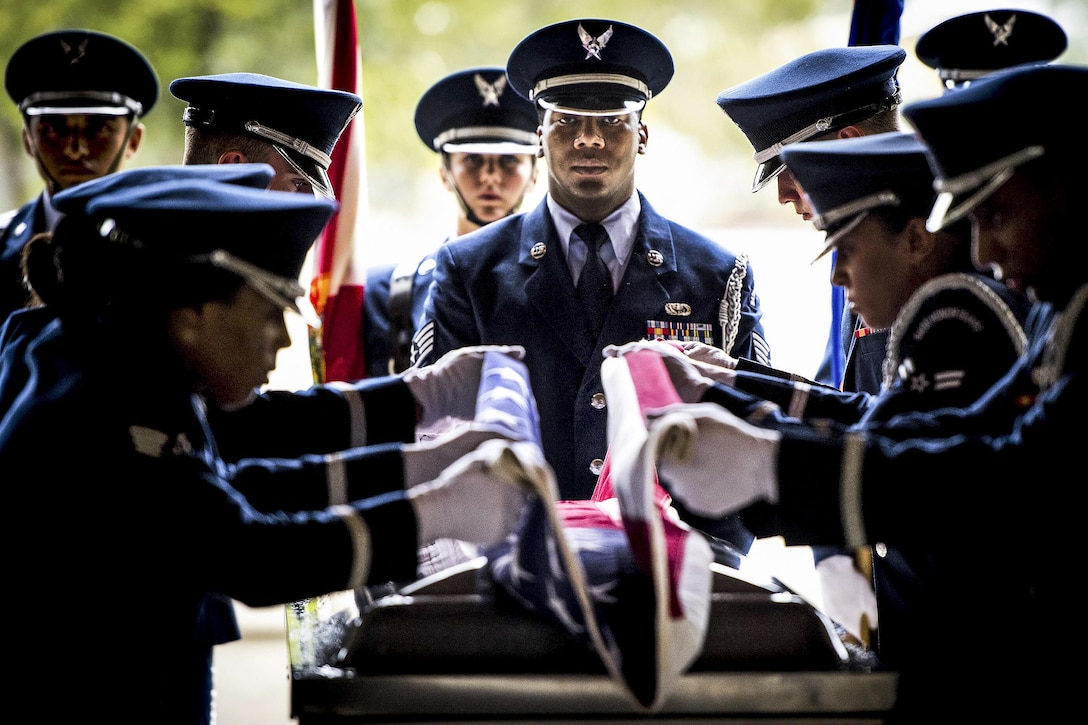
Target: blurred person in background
[
  {"x": 82, "y": 96},
  {"x": 484, "y": 134}
]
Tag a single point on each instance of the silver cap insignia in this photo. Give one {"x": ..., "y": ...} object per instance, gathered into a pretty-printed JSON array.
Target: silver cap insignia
[{"x": 594, "y": 46}]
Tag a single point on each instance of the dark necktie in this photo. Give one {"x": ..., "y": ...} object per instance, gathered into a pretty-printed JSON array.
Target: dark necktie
[{"x": 595, "y": 282}]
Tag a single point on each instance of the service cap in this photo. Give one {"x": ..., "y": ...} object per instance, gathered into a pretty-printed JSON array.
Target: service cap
[
  {"x": 969, "y": 46},
  {"x": 977, "y": 136},
  {"x": 474, "y": 111},
  {"x": 80, "y": 71},
  {"x": 303, "y": 123},
  {"x": 847, "y": 178},
  {"x": 817, "y": 93},
  {"x": 261, "y": 235},
  {"x": 74, "y": 199},
  {"x": 590, "y": 67}
]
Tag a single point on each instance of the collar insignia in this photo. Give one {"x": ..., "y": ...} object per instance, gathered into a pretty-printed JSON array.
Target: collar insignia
[
  {"x": 1001, "y": 33},
  {"x": 594, "y": 46},
  {"x": 490, "y": 92}
]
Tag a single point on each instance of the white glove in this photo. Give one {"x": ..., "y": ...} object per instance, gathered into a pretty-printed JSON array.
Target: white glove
[
  {"x": 701, "y": 352},
  {"x": 712, "y": 461},
  {"x": 426, "y": 460},
  {"x": 480, "y": 498},
  {"x": 690, "y": 378},
  {"x": 448, "y": 388}
]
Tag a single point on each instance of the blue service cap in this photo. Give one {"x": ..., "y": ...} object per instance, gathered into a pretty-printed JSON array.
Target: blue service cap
[
  {"x": 261, "y": 235},
  {"x": 74, "y": 199},
  {"x": 474, "y": 111},
  {"x": 303, "y": 123},
  {"x": 846, "y": 178},
  {"x": 969, "y": 46},
  {"x": 80, "y": 71},
  {"x": 817, "y": 93},
  {"x": 978, "y": 136},
  {"x": 590, "y": 67}
]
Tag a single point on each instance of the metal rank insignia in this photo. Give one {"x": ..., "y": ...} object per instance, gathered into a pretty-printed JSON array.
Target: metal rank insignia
[{"x": 680, "y": 331}]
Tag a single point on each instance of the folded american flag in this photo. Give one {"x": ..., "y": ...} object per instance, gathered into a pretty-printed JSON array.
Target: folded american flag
[{"x": 619, "y": 572}]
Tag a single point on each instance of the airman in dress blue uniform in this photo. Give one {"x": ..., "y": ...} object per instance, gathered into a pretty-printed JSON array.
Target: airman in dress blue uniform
[
  {"x": 825, "y": 94},
  {"x": 516, "y": 281},
  {"x": 967, "y": 47},
  {"x": 987, "y": 488},
  {"x": 953, "y": 331},
  {"x": 485, "y": 136},
  {"x": 82, "y": 95},
  {"x": 166, "y": 298}
]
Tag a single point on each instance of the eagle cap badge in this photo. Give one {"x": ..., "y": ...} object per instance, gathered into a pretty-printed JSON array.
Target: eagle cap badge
[
  {"x": 490, "y": 92},
  {"x": 594, "y": 46},
  {"x": 1001, "y": 33}
]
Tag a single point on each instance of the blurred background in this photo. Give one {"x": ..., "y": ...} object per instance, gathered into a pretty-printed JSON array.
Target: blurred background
[
  {"x": 698, "y": 167},
  {"x": 697, "y": 170}
]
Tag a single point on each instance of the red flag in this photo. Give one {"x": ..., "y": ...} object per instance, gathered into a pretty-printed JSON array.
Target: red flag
[{"x": 336, "y": 350}]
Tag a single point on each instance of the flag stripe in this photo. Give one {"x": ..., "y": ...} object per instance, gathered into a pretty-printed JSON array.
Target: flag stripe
[{"x": 337, "y": 351}]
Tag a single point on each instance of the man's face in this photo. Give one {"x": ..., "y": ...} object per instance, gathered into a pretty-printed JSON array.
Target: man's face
[
  {"x": 231, "y": 346},
  {"x": 492, "y": 185},
  {"x": 875, "y": 268},
  {"x": 287, "y": 177},
  {"x": 1013, "y": 234},
  {"x": 591, "y": 160},
  {"x": 73, "y": 148},
  {"x": 790, "y": 192}
]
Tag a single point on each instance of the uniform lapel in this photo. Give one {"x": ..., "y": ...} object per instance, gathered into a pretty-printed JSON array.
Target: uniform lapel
[{"x": 549, "y": 289}]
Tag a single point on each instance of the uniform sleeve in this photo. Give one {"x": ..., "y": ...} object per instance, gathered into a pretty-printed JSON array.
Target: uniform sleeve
[
  {"x": 322, "y": 419},
  {"x": 798, "y": 397},
  {"x": 448, "y": 321},
  {"x": 318, "y": 481}
]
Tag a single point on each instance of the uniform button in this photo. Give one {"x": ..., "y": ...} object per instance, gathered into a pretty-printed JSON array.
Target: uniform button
[
  {"x": 598, "y": 401},
  {"x": 595, "y": 466}
]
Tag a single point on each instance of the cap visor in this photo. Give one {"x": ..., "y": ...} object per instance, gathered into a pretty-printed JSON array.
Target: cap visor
[
  {"x": 833, "y": 238},
  {"x": 314, "y": 172},
  {"x": 765, "y": 172},
  {"x": 583, "y": 107},
  {"x": 951, "y": 207},
  {"x": 81, "y": 110},
  {"x": 505, "y": 148}
]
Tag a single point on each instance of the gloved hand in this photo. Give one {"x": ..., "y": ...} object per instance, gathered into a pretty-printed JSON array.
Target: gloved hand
[
  {"x": 480, "y": 498},
  {"x": 690, "y": 377},
  {"x": 426, "y": 460},
  {"x": 448, "y": 388},
  {"x": 712, "y": 461},
  {"x": 701, "y": 352}
]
